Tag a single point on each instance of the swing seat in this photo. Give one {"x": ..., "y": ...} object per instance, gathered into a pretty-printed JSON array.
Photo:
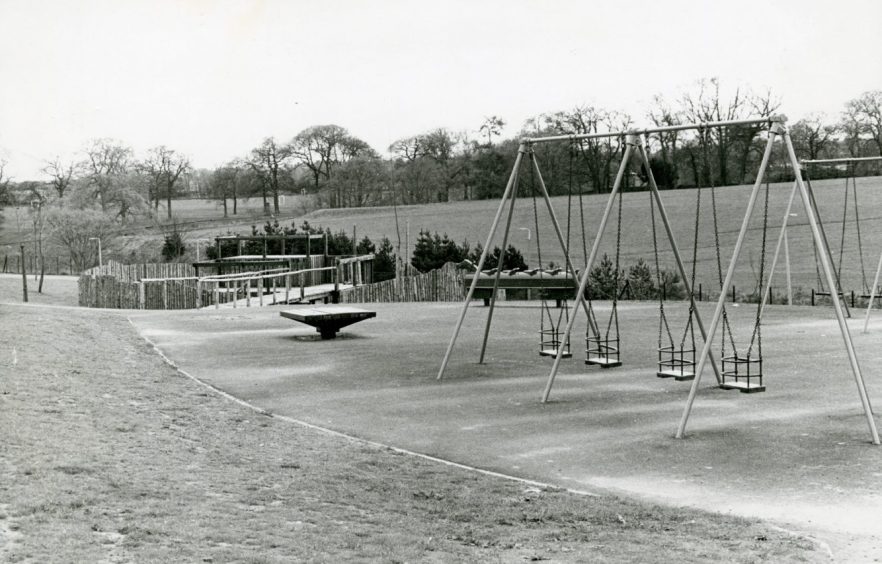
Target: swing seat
[
  {"x": 602, "y": 352},
  {"x": 603, "y": 362},
  {"x": 553, "y": 353},
  {"x": 680, "y": 375},
  {"x": 744, "y": 374},
  {"x": 550, "y": 342},
  {"x": 743, "y": 386},
  {"x": 677, "y": 363}
]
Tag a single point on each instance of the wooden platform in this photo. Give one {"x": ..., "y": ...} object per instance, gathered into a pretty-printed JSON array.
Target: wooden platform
[
  {"x": 328, "y": 319},
  {"x": 558, "y": 287}
]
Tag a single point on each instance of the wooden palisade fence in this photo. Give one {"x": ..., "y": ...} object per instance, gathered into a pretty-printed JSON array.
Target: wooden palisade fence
[{"x": 442, "y": 285}]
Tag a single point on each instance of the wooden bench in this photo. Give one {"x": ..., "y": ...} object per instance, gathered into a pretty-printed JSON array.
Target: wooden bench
[
  {"x": 551, "y": 287},
  {"x": 328, "y": 319}
]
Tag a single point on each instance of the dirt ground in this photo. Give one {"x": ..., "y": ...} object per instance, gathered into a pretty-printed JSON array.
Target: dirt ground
[
  {"x": 111, "y": 455},
  {"x": 798, "y": 454}
]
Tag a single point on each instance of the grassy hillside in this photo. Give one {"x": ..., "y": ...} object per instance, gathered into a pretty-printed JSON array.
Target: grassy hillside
[{"x": 470, "y": 221}]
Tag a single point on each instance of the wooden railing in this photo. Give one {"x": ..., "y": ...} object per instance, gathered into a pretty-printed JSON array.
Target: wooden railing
[
  {"x": 232, "y": 285},
  {"x": 138, "y": 287}
]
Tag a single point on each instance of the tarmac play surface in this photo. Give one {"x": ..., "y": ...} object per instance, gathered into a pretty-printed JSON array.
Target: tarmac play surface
[{"x": 798, "y": 453}]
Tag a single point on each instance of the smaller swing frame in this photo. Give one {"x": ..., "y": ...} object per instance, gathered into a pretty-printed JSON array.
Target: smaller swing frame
[{"x": 673, "y": 361}]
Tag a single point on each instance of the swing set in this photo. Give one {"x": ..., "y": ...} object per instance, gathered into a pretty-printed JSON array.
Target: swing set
[
  {"x": 677, "y": 358},
  {"x": 869, "y": 292}
]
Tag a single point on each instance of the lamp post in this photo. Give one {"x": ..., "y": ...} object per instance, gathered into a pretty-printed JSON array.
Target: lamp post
[
  {"x": 100, "y": 261},
  {"x": 197, "y": 246},
  {"x": 527, "y": 229}
]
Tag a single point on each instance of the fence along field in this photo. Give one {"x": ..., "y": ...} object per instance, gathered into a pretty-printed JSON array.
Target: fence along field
[{"x": 468, "y": 220}]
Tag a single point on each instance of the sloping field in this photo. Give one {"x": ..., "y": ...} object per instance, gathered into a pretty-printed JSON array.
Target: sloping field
[{"x": 470, "y": 221}]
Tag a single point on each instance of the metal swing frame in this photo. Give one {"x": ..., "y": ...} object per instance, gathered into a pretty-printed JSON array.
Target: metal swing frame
[
  {"x": 777, "y": 128},
  {"x": 634, "y": 141},
  {"x": 509, "y": 198}
]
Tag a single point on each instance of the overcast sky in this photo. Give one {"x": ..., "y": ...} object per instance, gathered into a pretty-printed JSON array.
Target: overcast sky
[{"x": 212, "y": 79}]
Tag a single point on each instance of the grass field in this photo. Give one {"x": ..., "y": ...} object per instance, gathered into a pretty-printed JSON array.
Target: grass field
[{"x": 470, "y": 221}]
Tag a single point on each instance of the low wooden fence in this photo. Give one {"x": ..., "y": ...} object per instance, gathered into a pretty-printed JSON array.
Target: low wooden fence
[
  {"x": 175, "y": 285},
  {"x": 118, "y": 286},
  {"x": 442, "y": 285},
  {"x": 11, "y": 263}
]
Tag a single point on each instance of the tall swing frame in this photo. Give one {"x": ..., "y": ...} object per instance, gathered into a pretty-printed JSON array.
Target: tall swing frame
[
  {"x": 631, "y": 140},
  {"x": 778, "y": 128}
]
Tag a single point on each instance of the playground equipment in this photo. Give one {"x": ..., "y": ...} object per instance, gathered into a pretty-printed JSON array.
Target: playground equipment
[
  {"x": 869, "y": 292},
  {"x": 328, "y": 319},
  {"x": 605, "y": 350},
  {"x": 777, "y": 128},
  {"x": 635, "y": 142},
  {"x": 675, "y": 360},
  {"x": 550, "y": 341}
]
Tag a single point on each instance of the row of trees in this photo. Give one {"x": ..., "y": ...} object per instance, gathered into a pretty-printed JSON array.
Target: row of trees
[
  {"x": 342, "y": 170},
  {"x": 442, "y": 165}
]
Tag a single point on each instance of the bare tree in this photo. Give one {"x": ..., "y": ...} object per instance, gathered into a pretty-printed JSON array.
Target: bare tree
[
  {"x": 706, "y": 105},
  {"x": 863, "y": 116},
  {"x": 598, "y": 155},
  {"x": 408, "y": 148},
  {"x": 812, "y": 136},
  {"x": 60, "y": 174},
  {"x": 321, "y": 148},
  {"x": 492, "y": 126},
  {"x": 269, "y": 162},
  {"x": 224, "y": 184},
  {"x": 105, "y": 159},
  {"x": 163, "y": 167}
]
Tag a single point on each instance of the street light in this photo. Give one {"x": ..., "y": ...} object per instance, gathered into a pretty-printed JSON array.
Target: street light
[
  {"x": 527, "y": 229},
  {"x": 100, "y": 261},
  {"x": 197, "y": 246}
]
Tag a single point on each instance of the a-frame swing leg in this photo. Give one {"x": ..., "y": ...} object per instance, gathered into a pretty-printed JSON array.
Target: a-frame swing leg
[
  {"x": 495, "y": 291},
  {"x": 465, "y": 307},
  {"x": 782, "y": 240},
  {"x": 837, "y": 305},
  {"x": 873, "y": 293},
  {"x": 630, "y": 142},
  {"x": 644, "y": 157},
  {"x": 836, "y": 290},
  {"x": 727, "y": 283}
]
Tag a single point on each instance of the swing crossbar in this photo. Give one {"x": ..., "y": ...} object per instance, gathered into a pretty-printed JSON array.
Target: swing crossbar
[
  {"x": 603, "y": 352},
  {"x": 743, "y": 373},
  {"x": 673, "y": 362}
]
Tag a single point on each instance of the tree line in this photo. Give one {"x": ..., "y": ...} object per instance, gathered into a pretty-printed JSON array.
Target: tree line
[
  {"x": 107, "y": 184},
  {"x": 441, "y": 165}
]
